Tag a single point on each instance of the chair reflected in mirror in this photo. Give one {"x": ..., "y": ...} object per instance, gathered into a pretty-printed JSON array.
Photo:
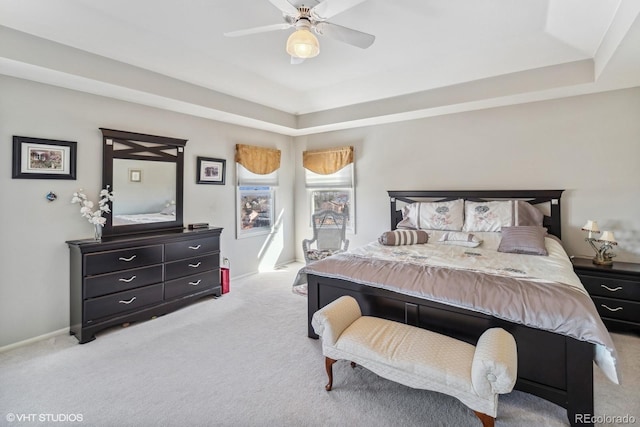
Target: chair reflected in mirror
[{"x": 329, "y": 235}]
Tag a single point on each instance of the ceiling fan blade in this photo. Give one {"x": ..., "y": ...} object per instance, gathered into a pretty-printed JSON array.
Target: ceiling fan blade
[
  {"x": 257, "y": 30},
  {"x": 285, "y": 7},
  {"x": 344, "y": 34},
  {"x": 295, "y": 60},
  {"x": 329, "y": 8}
]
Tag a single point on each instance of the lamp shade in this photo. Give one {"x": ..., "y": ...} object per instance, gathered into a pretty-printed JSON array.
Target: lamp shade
[
  {"x": 591, "y": 226},
  {"x": 303, "y": 44},
  {"x": 607, "y": 236}
]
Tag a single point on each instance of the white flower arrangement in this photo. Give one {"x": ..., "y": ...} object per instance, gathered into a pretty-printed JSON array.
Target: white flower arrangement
[{"x": 86, "y": 209}]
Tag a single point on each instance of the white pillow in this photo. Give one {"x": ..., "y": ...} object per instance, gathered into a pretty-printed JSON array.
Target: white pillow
[
  {"x": 433, "y": 215},
  {"x": 487, "y": 216},
  {"x": 460, "y": 238}
]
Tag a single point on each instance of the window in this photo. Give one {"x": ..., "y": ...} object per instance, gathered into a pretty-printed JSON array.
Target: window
[
  {"x": 329, "y": 180},
  {"x": 257, "y": 174}
]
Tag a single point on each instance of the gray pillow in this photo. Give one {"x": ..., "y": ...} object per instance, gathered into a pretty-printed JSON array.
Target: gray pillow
[
  {"x": 526, "y": 239},
  {"x": 527, "y": 214}
]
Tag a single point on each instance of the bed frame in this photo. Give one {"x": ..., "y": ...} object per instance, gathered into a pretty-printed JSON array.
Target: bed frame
[{"x": 552, "y": 366}]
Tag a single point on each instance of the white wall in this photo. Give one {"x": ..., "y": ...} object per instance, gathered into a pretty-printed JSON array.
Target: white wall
[
  {"x": 34, "y": 260},
  {"x": 588, "y": 145}
]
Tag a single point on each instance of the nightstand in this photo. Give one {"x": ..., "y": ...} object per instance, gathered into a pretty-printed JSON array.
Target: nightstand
[{"x": 615, "y": 290}]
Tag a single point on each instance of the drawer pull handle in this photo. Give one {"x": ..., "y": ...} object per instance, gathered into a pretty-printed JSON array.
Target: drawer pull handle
[
  {"x": 127, "y": 302},
  {"x": 127, "y": 280},
  {"x": 195, "y": 283},
  {"x": 611, "y": 289},
  {"x": 195, "y": 265},
  {"x": 611, "y": 309},
  {"x": 127, "y": 259},
  {"x": 195, "y": 248}
]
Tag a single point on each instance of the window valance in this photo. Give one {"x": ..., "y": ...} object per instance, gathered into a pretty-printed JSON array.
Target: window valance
[
  {"x": 329, "y": 161},
  {"x": 259, "y": 160}
]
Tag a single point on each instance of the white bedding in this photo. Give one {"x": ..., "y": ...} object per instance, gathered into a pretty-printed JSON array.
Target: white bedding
[
  {"x": 145, "y": 218},
  {"x": 485, "y": 258}
]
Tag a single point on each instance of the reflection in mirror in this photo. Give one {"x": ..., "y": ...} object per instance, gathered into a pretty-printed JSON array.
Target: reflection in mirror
[
  {"x": 156, "y": 180},
  {"x": 146, "y": 175}
]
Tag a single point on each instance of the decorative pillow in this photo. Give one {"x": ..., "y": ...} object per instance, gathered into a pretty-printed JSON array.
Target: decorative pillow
[
  {"x": 403, "y": 237},
  {"x": 459, "y": 238},
  {"x": 523, "y": 240},
  {"x": 527, "y": 214},
  {"x": 433, "y": 216},
  {"x": 487, "y": 216}
]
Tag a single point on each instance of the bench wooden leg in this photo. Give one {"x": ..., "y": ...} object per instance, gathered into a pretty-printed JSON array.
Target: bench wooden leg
[
  {"x": 487, "y": 421},
  {"x": 328, "y": 363}
]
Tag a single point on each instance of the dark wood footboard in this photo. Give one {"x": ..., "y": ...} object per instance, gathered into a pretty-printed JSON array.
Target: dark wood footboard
[{"x": 552, "y": 366}]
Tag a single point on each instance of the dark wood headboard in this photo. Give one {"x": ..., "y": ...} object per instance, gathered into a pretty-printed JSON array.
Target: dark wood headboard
[{"x": 552, "y": 222}]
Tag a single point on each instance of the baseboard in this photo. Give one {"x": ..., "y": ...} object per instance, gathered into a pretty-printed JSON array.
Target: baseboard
[{"x": 63, "y": 331}]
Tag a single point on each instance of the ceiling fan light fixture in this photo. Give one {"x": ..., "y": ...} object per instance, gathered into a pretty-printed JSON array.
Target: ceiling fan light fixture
[{"x": 303, "y": 44}]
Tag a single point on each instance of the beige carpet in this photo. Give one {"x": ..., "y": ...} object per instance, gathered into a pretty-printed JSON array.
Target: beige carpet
[{"x": 245, "y": 360}]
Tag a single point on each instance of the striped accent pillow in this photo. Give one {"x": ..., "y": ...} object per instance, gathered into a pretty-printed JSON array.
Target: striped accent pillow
[
  {"x": 403, "y": 237},
  {"x": 523, "y": 240},
  {"x": 460, "y": 238}
]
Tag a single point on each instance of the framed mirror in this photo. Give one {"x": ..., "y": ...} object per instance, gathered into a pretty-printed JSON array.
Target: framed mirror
[{"x": 145, "y": 173}]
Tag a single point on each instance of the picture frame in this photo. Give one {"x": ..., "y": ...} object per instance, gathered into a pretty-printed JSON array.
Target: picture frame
[
  {"x": 255, "y": 210},
  {"x": 135, "y": 175},
  {"x": 37, "y": 158},
  {"x": 211, "y": 171}
]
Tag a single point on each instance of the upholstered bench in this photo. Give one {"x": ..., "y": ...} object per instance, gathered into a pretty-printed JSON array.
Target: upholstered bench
[{"x": 419, "y": 358}]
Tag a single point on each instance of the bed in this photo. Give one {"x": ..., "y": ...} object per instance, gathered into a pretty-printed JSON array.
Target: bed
[
  {"x": 145, "y": 218},
  {"x": 555, "y": 355}
]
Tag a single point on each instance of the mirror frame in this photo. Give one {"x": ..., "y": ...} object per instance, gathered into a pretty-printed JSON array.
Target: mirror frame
[{"x": 137, "y": 152}]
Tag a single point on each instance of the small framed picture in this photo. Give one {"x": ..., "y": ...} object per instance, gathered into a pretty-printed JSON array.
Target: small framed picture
[
  {"x": 135, "y": 175},
  {"x": 35, "y": 158},
  {"x": 211, "y": 171}
]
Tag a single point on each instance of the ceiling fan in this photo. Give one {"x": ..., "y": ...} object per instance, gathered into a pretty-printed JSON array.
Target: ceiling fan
[{"x": 302, "y": 44}]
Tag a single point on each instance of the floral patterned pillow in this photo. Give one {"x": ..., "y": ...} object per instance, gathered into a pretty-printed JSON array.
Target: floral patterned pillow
[
  {"x": 433, "y": 216},
  {"x": 487, "y": 216}
]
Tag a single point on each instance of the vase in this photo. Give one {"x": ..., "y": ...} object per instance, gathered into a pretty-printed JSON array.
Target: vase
[{"x": 97, "y": 232}]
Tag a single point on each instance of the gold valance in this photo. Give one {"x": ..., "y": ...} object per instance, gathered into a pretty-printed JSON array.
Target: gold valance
[
  {"x": 258, "y": 160},
  {"x": 329, "y": 161}
]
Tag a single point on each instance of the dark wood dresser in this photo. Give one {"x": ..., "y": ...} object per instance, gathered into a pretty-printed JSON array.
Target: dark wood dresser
[
  {"x": 615, "y": 290},
  {"x": 124, "y": 279}
]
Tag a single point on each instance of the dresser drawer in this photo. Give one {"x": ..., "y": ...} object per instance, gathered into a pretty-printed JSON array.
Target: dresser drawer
[
  {"x": 618, "y": 309},
  {"x": 611, "y": 287},
  {"x": 191, "y": 248},
  {"x": 191, "y": 284},
  {"x": 186, "y": 267},
  {"x": 124, "y": 259},
  {"x": 122, "y": 280},
  {"x": 110, "y": 305}
]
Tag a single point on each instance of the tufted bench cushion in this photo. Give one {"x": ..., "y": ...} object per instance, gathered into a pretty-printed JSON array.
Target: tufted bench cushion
[{"x": 419, "y": 358}]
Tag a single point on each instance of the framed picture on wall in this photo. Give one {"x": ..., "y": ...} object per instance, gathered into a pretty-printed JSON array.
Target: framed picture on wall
[
  {"x": 36, "y": 158},
  {"x": 135, "y": 175},
  {"x": 211, "y": 171},
  {"x": 255, "y": 210}
]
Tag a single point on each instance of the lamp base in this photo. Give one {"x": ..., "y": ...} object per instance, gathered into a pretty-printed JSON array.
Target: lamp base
[{"x": 605, "y": 262}]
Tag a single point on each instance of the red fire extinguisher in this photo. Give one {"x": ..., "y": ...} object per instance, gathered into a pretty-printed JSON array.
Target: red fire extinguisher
[{"x": 224, "y": 276}]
